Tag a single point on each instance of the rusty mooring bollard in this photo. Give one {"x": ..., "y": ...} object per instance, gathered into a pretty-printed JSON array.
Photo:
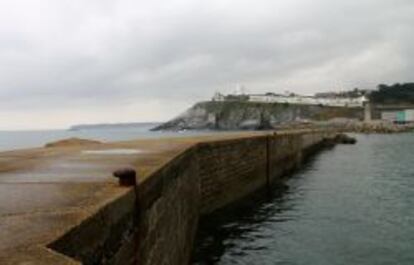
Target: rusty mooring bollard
[{"x": 126, "y": 176}]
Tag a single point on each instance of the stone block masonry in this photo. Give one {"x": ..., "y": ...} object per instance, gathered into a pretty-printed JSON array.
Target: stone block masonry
[
  {"x": 169, "y": 212},
  {"x": 230, "y": 169}
]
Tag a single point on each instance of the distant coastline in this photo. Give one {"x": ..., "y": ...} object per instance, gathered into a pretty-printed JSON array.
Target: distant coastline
[{"x": 111, "y": 126}]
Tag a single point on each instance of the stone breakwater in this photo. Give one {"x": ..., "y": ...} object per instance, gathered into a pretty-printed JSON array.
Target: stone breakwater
[
  {"x": 154, "y": 222},
  {"x": 352, "y": 126},
  {"x": 377, "y": 127}
]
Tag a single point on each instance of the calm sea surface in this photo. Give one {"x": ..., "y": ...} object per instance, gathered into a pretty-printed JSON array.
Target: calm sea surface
[
  {"x": 26, "y": 139},
  {"x": 353, "y": 204}
]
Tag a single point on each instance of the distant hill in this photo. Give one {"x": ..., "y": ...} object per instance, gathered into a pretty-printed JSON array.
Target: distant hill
[
  {"x": 112, "y": 126},
  {"x": 394, "y": 94}
]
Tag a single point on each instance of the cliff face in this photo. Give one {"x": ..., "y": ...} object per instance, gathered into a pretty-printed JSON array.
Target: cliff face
[{"x": 230, "y": 115}]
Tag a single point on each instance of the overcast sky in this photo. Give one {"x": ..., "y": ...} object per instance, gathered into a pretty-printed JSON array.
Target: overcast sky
[{"x": 76, "y": 61}]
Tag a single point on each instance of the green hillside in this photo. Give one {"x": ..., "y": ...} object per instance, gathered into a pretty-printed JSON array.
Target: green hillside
[{"x": 394, "y": 94}]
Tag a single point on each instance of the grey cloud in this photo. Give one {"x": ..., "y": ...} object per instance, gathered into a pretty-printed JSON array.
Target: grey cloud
[{"x": 70, "y": 53}]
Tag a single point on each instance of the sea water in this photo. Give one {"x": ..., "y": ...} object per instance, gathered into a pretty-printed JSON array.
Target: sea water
[
  {"x": 10, "y": 140},
  {"x": 353, "y": 204}
]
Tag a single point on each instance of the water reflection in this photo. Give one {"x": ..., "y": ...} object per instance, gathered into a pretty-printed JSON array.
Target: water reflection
[{"x": 247, "y": 224}]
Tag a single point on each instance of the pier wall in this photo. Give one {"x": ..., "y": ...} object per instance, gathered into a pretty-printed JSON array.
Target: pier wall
[
  {"x": 161, "y": 214},
  {"x": 230, "y": 169}
]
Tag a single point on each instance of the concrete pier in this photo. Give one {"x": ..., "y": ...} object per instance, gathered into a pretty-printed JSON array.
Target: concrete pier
[{"x": 62, "y": 205}]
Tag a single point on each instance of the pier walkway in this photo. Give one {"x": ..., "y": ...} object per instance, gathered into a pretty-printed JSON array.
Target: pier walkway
[{"x": 44, "y": 192}]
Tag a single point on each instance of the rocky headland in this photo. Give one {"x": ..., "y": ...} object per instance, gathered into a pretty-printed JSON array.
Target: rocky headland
[{"x": 235, "y": 115}]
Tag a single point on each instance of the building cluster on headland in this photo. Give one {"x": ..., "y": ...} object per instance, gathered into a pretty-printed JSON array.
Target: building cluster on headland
[
  {"x": 356, "y": 99},
  {"x": 323, "y": 99},
  {"x": 354, "y": 110}
]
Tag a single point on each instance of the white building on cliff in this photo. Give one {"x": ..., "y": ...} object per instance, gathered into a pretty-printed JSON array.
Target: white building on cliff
[{"x": 290, "y": 98}]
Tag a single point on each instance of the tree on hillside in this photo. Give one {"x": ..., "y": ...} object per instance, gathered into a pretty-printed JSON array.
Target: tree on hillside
[{"x": 394, "y": 94}]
